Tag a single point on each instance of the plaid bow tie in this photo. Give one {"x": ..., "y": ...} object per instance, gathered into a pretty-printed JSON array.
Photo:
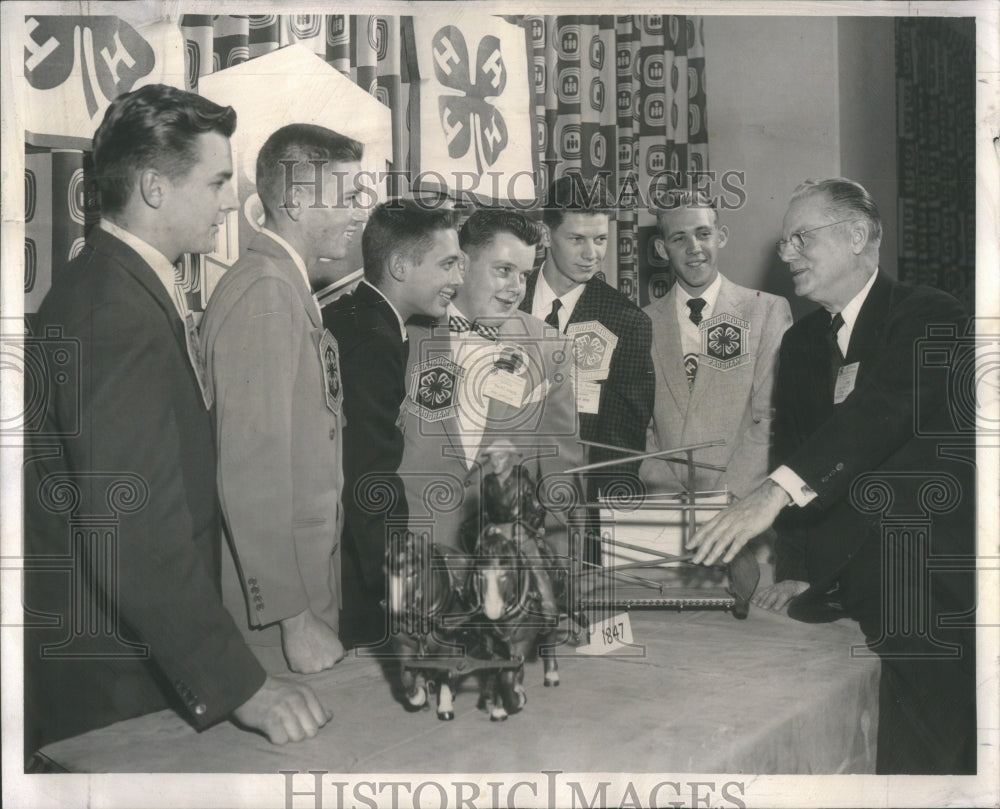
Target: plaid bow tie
[{"x": 459, "y": 324}]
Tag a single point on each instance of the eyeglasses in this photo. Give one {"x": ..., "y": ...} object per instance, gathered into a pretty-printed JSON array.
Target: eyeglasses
[{"x": 796, "y": 240}]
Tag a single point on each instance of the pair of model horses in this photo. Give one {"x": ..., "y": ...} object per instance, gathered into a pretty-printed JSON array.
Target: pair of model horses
[{"x": 454, "y": 613}]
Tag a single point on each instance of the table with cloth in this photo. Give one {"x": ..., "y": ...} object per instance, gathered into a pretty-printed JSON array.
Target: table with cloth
[{"x": 710, "y": 694}]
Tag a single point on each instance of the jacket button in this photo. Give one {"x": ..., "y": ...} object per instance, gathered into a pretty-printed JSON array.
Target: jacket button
[
  {"x": 200, "y": 708},
  {"x": 260, "y": 606},
  {"x": 840, "y": 466}
]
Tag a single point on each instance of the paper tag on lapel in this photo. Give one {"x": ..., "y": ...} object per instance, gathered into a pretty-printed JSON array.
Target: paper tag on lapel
[
  {"x": 504, "y": 387},
  {"x": 846, "y": 377}
]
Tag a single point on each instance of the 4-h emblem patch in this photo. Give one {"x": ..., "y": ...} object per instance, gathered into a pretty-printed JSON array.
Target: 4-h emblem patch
[
  {"x": 593, "y": 346},
  {"x": 329, "y": 359},
  {"x": 725, "y": 342},
  {"x": 434, "y": 388}
]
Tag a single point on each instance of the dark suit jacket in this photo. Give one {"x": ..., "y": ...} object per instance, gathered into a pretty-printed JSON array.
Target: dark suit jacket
[
  {"x": 843, "y": 451},
  {"x": 372, "y": 362},
  {"x": 626, "y": 403},
  {"x": 136, "y": 417}
]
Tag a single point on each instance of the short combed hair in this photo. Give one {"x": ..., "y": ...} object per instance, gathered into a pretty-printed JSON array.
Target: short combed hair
[
  {"x": 572, "y": 193},
  {"x": 300, "y": 145},
  {"x": 844, "y": 199},
  {"x": 401, "y": 226},
  {"x": 157, "y": 127},
  {"x": 485, "y": 224},
  {"x": 685, "y": 199}
]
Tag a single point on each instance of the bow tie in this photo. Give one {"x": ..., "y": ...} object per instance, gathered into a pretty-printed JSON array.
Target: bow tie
[{"x": 459, "y": 324}]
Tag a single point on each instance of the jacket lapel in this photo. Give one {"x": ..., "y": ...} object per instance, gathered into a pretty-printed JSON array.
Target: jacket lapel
[
  {"x": 262, "y": 243},
  {"x": 112, "y": 247},
  {"x": 667, "y": 349},
  {"x": 865, "y": 334}
]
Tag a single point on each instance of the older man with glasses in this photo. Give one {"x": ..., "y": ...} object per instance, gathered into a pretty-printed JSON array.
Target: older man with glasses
[{"x": 854, "y": 428}]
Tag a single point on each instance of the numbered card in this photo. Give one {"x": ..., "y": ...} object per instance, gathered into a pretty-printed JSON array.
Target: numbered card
[{"x": 608, "y": 635}]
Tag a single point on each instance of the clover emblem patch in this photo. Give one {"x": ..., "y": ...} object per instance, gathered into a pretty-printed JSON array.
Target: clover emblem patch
[{"x": 725, "y": 342}]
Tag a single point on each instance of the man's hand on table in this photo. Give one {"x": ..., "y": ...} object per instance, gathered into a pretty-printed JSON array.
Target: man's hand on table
[
  {"x": 284, "y": 711},
  {"x": 309, "y": 644},
  {"x": 727, "y": 532},
  {"x": 777, "y": 596}
]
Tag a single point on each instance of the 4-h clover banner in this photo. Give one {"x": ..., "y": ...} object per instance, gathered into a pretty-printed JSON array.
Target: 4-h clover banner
[{"x": 470, "y": 100}]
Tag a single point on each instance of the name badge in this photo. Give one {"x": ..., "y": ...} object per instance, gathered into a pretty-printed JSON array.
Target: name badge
[
  {"x": 504, "y": 387},
  {"x": 846, "y": 377},
  {"x": 588, "y": 396},
  {"x": 608, "y": 635}
]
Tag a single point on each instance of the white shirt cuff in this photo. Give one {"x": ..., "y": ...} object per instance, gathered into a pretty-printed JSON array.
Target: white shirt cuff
[{"x": 797, "y": 488}]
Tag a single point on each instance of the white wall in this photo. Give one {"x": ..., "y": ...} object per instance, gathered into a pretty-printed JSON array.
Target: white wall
[{"x": 792, "y": 98}]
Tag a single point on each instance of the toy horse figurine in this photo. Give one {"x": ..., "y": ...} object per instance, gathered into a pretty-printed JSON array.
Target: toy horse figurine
[
  {"x": 508, "y": 588},
  {"x": 426, "y": 609}
]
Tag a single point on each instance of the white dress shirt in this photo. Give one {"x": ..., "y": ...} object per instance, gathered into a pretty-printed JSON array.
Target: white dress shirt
[
  {"x": 541, "y": 304},
  {"x": 690, "y": 333}
]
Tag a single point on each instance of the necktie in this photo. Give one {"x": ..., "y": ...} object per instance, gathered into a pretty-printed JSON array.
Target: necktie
[
  {"x": 552, "y": 318},
  {"x": 459, "y": 324},
  {"x": 194, "y": 347},
  {"x": 691, "y": 368},
  {"x": 836, "y": 357},
  {"x": 696, "y": 305}
]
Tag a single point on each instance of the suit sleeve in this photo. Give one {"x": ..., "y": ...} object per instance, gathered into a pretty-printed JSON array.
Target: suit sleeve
[
  {"x": 748, "y": 464},
  {"x": 790, "y": 546},
  {"x": 257, "y": 350},
  {"x": 165, "y": 590},
  {"x": 877, "y": 418},
  {"x": 627, "y": 402},
  {"x": 372, "y": 367}
]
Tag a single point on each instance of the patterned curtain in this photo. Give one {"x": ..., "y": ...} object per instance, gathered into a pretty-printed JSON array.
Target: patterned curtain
[
  {"x": 618, "y": 95},
  {"x": 654, "y": 66},
  {"x": 936, "y": 153}
]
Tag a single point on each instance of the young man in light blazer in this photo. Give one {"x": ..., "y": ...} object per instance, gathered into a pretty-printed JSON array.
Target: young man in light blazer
[{"x": 715, "y": 345}]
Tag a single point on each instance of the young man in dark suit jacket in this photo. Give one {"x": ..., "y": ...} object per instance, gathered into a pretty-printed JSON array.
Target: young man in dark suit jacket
[
  {"x": 612, "y": 336},
  {"x": 120, "y": 478},
  {"x": 871, "y": 490},
  {"x": 369, "y": 325}
]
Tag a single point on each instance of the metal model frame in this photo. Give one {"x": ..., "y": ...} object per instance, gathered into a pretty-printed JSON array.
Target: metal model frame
[{"x": 742, "y": 574}]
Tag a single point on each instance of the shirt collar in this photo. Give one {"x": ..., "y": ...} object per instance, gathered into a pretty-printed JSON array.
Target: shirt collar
[
  {"x": 395, "y": 311},
  {"x": 157, "y": 262},
  {"x": 544, "y": 295},
  {"x": 852, "y": 310},
  {"x": 710, "y": 296}
]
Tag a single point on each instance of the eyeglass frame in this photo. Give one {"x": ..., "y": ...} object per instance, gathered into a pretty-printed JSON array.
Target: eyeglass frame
[{"x": 780, "y": 244}]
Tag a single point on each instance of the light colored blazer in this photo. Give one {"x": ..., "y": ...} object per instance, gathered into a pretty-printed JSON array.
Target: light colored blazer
[
  {"x": 442, "y": 489},
  {"x": 279, "y": 443},
  {"x": 732, "y": 403}
]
